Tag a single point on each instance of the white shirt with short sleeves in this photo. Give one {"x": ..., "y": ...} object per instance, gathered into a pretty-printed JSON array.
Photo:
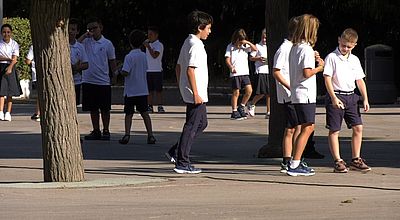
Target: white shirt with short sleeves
[
  {"x": 239, "y": 59},
  {"x": 193, "y": 54},
  {"x": 304, "y": 90},
  {"x": 99, "y": 53},
  {"x": 78, "y": 54},
  {"x": 155, "y": 64},
  {"x": 9, "y": 49},
  {"x": 281, "y": 62},
  {"x": 261, "y": 67},
  {"x": 30, "y": 56},
  {"x": 135, "y": 64},
  {"x": 344, "y": 71}
]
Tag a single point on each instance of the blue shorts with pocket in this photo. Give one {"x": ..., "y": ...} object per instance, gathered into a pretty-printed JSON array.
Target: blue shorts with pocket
[{"x": 351, "y": 112}]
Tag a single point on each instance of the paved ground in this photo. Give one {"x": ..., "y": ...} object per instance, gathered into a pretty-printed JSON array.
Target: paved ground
[{"x": 136, "y": 181}]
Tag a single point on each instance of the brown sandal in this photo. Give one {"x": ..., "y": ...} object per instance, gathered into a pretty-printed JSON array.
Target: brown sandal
[{"x": 125, "y": 139}]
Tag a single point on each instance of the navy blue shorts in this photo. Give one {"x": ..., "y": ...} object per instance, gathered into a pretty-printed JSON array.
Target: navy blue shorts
[
  {"x": 305, "y": 113},
  {"x": 139, "y": 101},
  {"x": 291, "y": 116},
  {"x": 239, "y": 82},
  {"x": 95, "y": 97},
  {"x": 351, "y": 112},
  {"x": 155, "y": 81}
]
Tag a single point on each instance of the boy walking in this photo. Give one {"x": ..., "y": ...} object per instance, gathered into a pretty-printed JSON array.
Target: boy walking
[
  {"x": 192, "y": 75},
  {"x": 135, "y": 88},
  {"x": 342, "y": 69}
]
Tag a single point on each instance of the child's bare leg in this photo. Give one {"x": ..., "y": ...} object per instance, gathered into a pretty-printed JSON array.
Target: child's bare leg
[
  {"x": 247, "y": 94},
  {"x": 256, "y": 98},
  {"x": 301, "y": 141},
  {"x": 9, "y": 103},
  {"x": 356, "y": 140},
  {"x": 234, "y": 99},
  {"x": 128, "y": 123},
  {"x": 333, "y": 139},
  {"x": 147, "y": 123},
  {"x": 287, "y": 142}
]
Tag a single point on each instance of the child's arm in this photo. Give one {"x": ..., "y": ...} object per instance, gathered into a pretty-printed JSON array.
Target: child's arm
[
  {"x": 192, "y": 82},
  {"x": 12, "y": 64},
  {"x": 230, "y": 65},
  {"x": 178, "y": 73},
  {"x": 278, "y": 76},
  {"x": 337, "y": 103},
  {"x": 153, "y": 53},
  {"x": 363, "y": 90},
  {"x": 124, "y": 73},
  {"x": 252, "y": 46},
  {"x": 308, "y": 72}
]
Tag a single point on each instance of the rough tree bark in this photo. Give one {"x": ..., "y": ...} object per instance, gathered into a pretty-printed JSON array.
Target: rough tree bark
[
  {"x": 62, "y": 153},
  {"x": 276, "y": 19}
]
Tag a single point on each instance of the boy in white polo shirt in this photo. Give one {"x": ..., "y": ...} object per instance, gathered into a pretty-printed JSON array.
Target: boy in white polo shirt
[
  {"x": 192, "y": 76},
  {"x": 154, "y": 54},
  {"x": 342, "y": 69},
  {"x": 135, "y": 88},
  {"x": 96, "y": 82}
]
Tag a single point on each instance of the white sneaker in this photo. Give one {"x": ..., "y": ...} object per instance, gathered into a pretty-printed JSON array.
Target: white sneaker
[
  {"x": 267, "y": 115},
  {"x": 1, "y": 115},
  {"x": 7, "y": 116},
  {"x": 251, "y": 109}
]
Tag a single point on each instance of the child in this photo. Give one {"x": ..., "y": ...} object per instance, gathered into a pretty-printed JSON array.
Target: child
[
  {"x": 9, "y": 52},
  {"x": 154, "y": 54},
  {"x": 303, "y": 87},
  {"x": 192, "y": 75},
  {"x": 236, "y": 58},
  {"x": 342, "y": 69},
  {"x": 261, "y": 76},
  {"x": 29, "y": 60},
  {"x": 135, "y": 88}
]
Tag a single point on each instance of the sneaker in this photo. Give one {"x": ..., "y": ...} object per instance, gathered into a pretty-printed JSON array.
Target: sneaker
[
  {"x": 150, "y": 109},
  {"x": 106, "y": 135},
  {"x": 312, "y": 154},
  {"x": 35, "y": 117},
  {"x": 7, "y": 116},
  {"x": 300, "y": 170},
  {"x": 151, "y": 139},
  {"x": 251, "y": 109},
  {"x": 94, "y": 135},
  {"x": 267, "y": 114},
  {"x": 160, "y": 109},
  {"x": 359, "y": 165},
  {"x": 1, "y": 115},
  {"x": 170, "y": 157},
  {"x": 242, "y": 112},
  {"x": 340, "y": 166},
  {"x": 306, "y": 165},
  {"x": 284, "y": 168},
  {"x": 188, "y": 169},
  {"x": 236, "y": 116}
]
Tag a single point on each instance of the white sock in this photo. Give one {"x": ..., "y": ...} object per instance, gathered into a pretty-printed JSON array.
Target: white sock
[{"x": 294, "y": 164}]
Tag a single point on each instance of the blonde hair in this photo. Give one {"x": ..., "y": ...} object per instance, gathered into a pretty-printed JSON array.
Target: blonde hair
[
  {"x": 306, "y": 30},
  {"x": 349, "y": 35}
]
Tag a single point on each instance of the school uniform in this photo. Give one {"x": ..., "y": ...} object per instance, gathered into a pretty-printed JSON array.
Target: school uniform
[
  {"x": 344, "y": 72},
  {"x": 261, "y": 77},
  {"x": 96, "y": 82},
  {"x": 30, "y": 56},
  {"x": 192, "y": 54},
  {"x": 135, "y": 85},
  {"x": 9, "y": 85},
  {"x": 239, "y": 60},
  {"x": 155, "y": 70},
  {"x": 78, "y": 54}
]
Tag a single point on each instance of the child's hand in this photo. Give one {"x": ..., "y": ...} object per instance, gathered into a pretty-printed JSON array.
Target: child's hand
[
  {"x": 366, "y": 105},
  {"x": 197, "y": 100},
  {"x": 316, "y": 54},
  {"x": 337, "y": 103},
  {"x": 8, "y": 70}
]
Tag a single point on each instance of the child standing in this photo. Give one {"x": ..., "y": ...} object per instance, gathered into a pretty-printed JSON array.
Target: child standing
[
  {"x": 135, "y": 88},
  {"x": 303, "y": 87},
  {"x": 261, "y": 75},
  {"x": 192, "y": 75},
  {"x": 342, "y": 69},
  {"x": 236, "y": 58},
  {"x": 9, "y": 86},
  {"x": 29, "y": 60}
]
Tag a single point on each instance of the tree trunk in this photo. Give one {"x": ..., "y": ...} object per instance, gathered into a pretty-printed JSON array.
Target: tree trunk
[
  {"x": 276, "y": 19},
  {"x": 62, "y": 153}
]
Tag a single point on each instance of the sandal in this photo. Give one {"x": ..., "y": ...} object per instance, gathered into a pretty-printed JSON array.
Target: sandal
[{"x": 124, "y": 139}]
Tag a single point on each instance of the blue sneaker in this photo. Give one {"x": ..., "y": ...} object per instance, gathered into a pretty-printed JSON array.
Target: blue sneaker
[
  {"x": 306, "y": 165},
  {"x": 187, "y": 169},
  {"x": 301, "y": 170}
]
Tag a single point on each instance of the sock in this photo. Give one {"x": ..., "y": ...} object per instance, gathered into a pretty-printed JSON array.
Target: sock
[
  {"x": 234, "y": 109},
  {"x": 294, "y": 164},
  {"x": 243, "y": 105}
]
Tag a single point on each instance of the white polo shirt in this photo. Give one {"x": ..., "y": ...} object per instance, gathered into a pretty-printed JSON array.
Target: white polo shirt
[
  {"x": 8, "y": 49},
  {"x": 193, "y": 54},
  {"x": 281, "y": 62},
  {"x": 30, "y": 56},
  {"x": 261, "y": 67},
  {"x": 135, "y": 64},
  {"x": 303, "y": 90},
  {"x": 78, "y": 53},
  {"x": 239, "y": 59},
  {"x": 98, "y": 53},
  {"x": 155, "y": 64},
  {"x": 344, "y": 71}
]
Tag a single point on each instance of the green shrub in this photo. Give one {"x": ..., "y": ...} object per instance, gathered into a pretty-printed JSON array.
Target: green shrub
[{"x": 21, "y": 34}]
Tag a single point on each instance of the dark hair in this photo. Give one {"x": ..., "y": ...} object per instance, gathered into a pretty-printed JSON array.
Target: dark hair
[
  {"x": 94, "y": 19},
  {"x": 6, "y": 25},
  {"x": 136, "y": 38},
  {"x": 74, "y": 21},
  {"x": 154, "y": 29},
  {"x": 198, "y": 20}
]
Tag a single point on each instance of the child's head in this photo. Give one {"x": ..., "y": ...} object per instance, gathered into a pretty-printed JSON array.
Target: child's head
[
  {"x": 95, "y": 27},
  {"x": 136, "y": 38},
  {"x": 152, "y": 33},
  {"x": 6, "y": 31},
  {"x": 73, "y": 28},
  {"x": 347, "y": 41},
  {"x": 198, "y": 22},
  {"x": 306, "y": 30},
  {"x": 263, "y": 39},
  {"x": 292, "y": 25},
  {"x": 238, "y": 36}
]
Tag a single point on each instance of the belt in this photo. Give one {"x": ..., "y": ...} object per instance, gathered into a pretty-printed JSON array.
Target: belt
[{"x": 339, "y": 92}]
